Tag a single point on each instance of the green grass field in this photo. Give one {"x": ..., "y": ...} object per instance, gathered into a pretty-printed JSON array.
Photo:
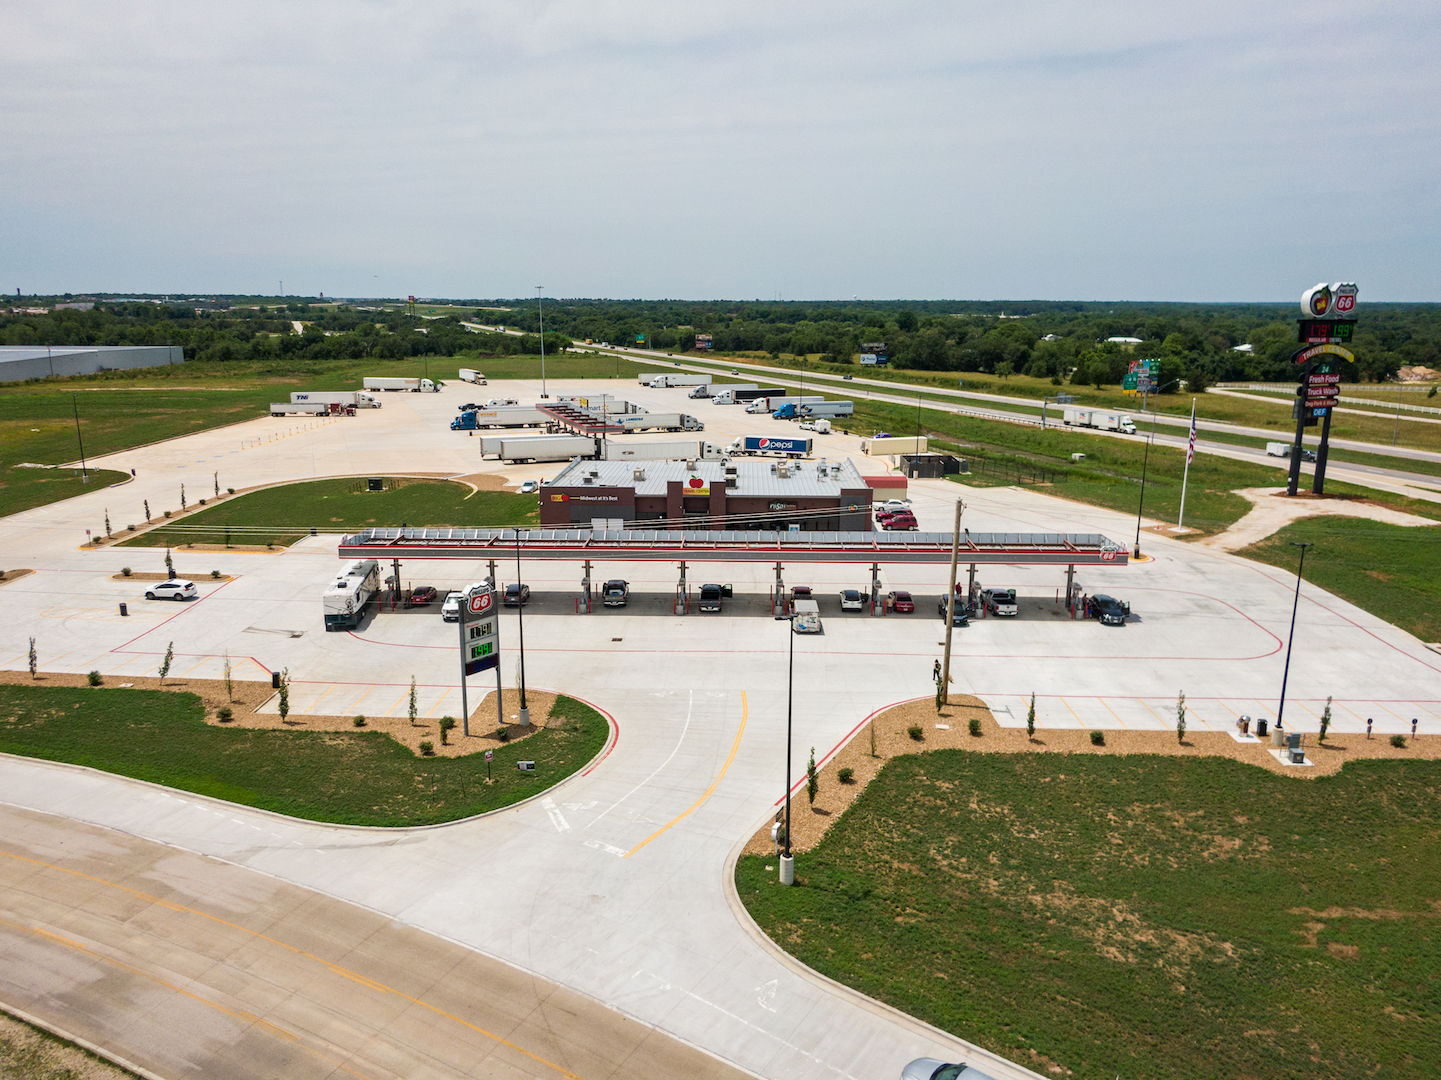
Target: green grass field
[
  {"x": 360, "y": 778},
  {"x": 1136, "y": 916},
  {"x": 281, "y": 515},
  {"x": 1392, "y": 571}
]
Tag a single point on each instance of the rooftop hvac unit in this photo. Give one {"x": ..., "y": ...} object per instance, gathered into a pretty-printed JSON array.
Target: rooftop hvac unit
[
  {"x": 783, "y": 470},
  {"x": 690, "y": 463},
  {"x": 587, "y": 479},
  {"x": 638, "y": 475}
]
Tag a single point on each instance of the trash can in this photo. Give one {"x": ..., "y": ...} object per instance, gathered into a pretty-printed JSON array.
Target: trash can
[
  {"x": 1278, "y": 737},
  {"x": 1260, "y": 729},
  {"x": 123, "y": 611},
  {"x": 275, "y": 680}
]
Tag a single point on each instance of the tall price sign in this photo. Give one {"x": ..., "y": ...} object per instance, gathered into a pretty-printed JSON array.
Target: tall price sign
[{"x": 479, "y": 642}]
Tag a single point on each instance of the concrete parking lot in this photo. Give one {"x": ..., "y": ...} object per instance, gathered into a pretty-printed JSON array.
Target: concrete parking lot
[{"x": 616, "y": 889}]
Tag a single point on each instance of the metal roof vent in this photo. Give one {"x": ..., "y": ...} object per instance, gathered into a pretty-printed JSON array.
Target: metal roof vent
[
  {"x": 587, "y": 479},
  {"x": 638, "y": 475},
  {"x": 690, "y": 464}
]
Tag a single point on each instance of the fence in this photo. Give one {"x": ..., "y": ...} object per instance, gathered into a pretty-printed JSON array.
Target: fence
[{"x": 1011, "y": 472}]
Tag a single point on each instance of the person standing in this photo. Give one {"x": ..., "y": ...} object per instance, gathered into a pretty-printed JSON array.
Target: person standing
[
  {"x": 1413, "y": 729},
  {"x": 936, "y": 672},
  {"x": 1368, "y": 727}
]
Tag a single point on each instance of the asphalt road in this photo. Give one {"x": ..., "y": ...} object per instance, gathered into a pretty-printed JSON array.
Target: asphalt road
[{"x": 193, "y": 967}]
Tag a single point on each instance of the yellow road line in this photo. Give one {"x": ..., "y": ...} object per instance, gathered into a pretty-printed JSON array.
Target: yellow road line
[
  {"x": 1072, "y": 711},
  {"x": 1154, "y": 713},
  {"x": 321, "y": 698},
  {"x": 745, "y": 712},
  {"x": 336, "y": 968},
  {"x": 1112, "y": 712}
]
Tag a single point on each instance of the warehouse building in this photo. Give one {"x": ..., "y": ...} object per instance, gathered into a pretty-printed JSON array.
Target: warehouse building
[
  {"x": 18, "y": 362},
  {"x": 809, "y": 496}
]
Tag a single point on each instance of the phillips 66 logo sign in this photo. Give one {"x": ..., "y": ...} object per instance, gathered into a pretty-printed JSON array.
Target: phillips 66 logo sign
[{"x": 1335, "y": 301}]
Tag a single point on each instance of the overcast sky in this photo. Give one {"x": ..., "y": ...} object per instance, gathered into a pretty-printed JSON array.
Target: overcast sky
[{"x": 1231, "y": 150}]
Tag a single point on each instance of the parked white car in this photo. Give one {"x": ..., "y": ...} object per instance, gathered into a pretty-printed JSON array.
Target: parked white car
[
  {"x": 529, "y": 487},
  {"x": 851, "y": 600},
  {"x": 450, "y": 610},
  {"x": 172, "y": 590},
  {"x": 891, "y": 504}
]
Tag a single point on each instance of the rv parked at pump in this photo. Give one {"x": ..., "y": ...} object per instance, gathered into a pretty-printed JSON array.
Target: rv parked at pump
[
  {"x": 345, "y": 601},
  {"x": 414, "y": 386}
]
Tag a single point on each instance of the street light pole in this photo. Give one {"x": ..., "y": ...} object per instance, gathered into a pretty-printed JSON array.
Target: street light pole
[
  {"x": 520, "y": 608},
  {"x": 540, "y": 305},
  {"x": 1286, "y": 672},
  {"x": 74, "y": 404},
  {"x": 788, "y": 864}
]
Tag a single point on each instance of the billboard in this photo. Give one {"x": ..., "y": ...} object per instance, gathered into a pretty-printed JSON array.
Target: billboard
[{"x": 704, "y": 341}]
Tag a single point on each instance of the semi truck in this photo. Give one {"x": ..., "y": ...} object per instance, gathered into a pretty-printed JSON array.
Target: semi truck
[
  {"x": 470, "y": 375},
  {"x": 669, "y": 450},
  {"x": 359, "y": 398},
  {"x": 345, "y": 601},
  {"x": 771, "y": 404},
  {"x": 886, "y": 447},
  {"x": 658, "y": 421},
  {"x": 415, "y": 386},
  {"x": 829, "y": 409},
  {"x": 1098, "y": 419},
  {"x": 648, "y": 377},
  {"x": 702, "y": 391},
  {"x": 299, "y": 408},
  {"x": 766, "y": 446},
  {"x": 662, "y": 382},
  {"x": 506, "y": 416},
  {"x": 739, "y": 395},
  {"x": 547, "y": 448}
]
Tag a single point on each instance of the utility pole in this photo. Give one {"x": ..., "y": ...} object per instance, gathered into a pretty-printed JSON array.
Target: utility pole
[
  {"x": 540, "y": 304},
  {"x": 951, "y": 604},
  {"x": 74, "y": 404}
]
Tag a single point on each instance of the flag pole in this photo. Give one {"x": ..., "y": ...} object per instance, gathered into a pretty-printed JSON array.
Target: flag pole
[{"x": 1190, "y": 453}]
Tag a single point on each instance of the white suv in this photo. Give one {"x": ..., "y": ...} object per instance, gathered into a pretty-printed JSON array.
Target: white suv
[{"x": 172, "y": 590}]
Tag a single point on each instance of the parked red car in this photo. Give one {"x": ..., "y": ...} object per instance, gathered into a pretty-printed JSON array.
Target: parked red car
[
  {"x": 421, "y": 596},
  {"x": 902, "y": 602},
  {"x": 899, "y": 520}
]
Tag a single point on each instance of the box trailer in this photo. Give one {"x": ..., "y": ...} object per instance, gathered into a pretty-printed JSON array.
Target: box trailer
[
  {"x": 470, "y": 375},
  {"x": 887, "y": 447},
  {"x": 807, "y": 617},
  {"x": 547, "y": 448},
  {"x": 344, "y": 602},
  {"x": 667, "y": 450},
  {"x": 299, "y": 408},
  {"x": 493, "y": 444},
  {"x": 763, "y": 445},
  {"x": 658, "y": 421},
  {"x": 1099, "y": 419},
  {"x": 662, "y": 382},
  {"x": 359, "y": 398},
  {"x": 506, "y": 416},
  {"x": 648, "y": 377},
  {"x": 1278, "y": 449},
  {"x": 771, "y": 404},
  {"x": 414, "y": 386},
  {"x": 829, "y": 409}
]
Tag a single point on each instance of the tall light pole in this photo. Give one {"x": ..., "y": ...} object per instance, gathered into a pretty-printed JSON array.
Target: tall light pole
[
  {"x": 540, "y": 304},
  {"x": 1146, "y": 460},
  {"x": 520, "y": 608},
  {"x": 1281, "y": 708},
  {"x": 74, "y": 404},
  {"x": 788, "y": 864},
  {"x": 951, "y": 604}
]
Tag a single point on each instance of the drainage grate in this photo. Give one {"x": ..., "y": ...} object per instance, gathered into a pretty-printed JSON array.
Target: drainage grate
[{"x": 617, "y": 639}]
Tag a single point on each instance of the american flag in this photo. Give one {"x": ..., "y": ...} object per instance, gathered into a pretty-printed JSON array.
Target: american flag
[{"x": 1191, "y": 446}]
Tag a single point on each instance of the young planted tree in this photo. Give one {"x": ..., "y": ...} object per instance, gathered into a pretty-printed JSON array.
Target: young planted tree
[
  {"x": 169, "y": 563},
  {"x": 34, "y": 659},
  {"x": 217, "y": 484},
  {"x": 813, "y": 781},
  {"x": 940, "y": 696},
  {"x": 284, "y": 693},
  {"x": 229, "y": 681},
  {"x": 446, "y": 724},
  {"x": 107, "y": 521},
  {"x": 1031, "y": 718},
  {"x": 165, "y": 664},
  {"x": 182, "y": 496},
  {"x": 147, "y": 509},
  {"x": 1181, "y": 717},
  {"x": 412, "y": 701},
  {"x": 1325, "y": 718}
]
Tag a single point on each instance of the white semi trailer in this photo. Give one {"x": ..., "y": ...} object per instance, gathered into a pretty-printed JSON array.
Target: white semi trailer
[
  {"x": 345, "y": 601},
  {"x": 415, "y": 386},
  {"x": 1099, "y": 419},
  {"x": 494, "y": 444},
  {"x": 470, "y": 375},
  {"x": 658, "y": 421},
  {"x": 668, "y": 450},
  {"x": 662, "y": 382},
  {"x": 299, "y": 408},
  {"x": 547, "y": 448},
  {"x": 359, "y": 398}
]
